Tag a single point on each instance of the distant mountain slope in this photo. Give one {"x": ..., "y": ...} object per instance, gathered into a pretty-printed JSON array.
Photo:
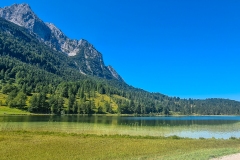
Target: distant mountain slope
[
  {"x": 16, "y": 42},
  {"x": 86, "y": 57},
  {"x": 29, "y": 66}
]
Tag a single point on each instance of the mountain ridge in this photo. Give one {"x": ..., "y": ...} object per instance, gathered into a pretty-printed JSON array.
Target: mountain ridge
[
  {"x": 29, "y": 67},
  {"x": 22, "y": 15}
]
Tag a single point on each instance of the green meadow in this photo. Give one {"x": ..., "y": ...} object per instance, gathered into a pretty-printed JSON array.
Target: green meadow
[
  {"x": 57, "y": 145},
  {"x": 55, "y": 140},
  {"x": 7, "y": 110}
]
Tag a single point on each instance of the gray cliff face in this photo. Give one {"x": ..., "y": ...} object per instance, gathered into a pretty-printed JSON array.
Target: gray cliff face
[
  {"x": 114, "y": 73},
  {"x": 86, "y": 57},
  {"x": 90, "y": 61},
  {"x": 61, "y": 42},
  {"x": 22, "y": 15}
]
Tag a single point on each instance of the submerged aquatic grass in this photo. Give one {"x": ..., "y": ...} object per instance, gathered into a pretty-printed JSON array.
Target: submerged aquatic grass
[{"x": 194, "y": 131}]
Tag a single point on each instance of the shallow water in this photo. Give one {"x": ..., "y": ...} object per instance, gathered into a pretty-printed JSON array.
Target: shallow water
[{"x": 183, "y": 126}]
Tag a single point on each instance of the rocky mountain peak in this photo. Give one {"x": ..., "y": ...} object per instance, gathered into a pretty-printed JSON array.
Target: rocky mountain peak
[
  {"x": 23, "y": 6},
  {"x": 22, "y": 15},
  {"x": 86, "y": 57},
  {"x": 18, "y": 14}
]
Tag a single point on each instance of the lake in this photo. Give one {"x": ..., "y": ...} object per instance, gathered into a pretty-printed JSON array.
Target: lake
[{"x": 183, "y": 126}]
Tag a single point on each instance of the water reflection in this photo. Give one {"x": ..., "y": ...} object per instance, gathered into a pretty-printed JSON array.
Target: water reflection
[{"x": 184, "y": 126}]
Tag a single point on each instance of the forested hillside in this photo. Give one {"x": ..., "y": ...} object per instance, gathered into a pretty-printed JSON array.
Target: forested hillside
[
  {"x": 41, "y": 80},
  {"x": 84, "y": 56}
]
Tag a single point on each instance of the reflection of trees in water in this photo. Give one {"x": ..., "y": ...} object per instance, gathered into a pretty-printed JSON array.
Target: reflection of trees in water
[
  {"x": 183, "y": 121},
  {"x": 173, "y": 121},
  {"x": 121, "y": 125},
  {"x": 144, "y": 121}
]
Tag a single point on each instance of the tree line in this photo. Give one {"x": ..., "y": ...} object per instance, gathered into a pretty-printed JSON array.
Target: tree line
[
  {"x": 41, "y": 80},
  {"x": 52, "y": 94}
]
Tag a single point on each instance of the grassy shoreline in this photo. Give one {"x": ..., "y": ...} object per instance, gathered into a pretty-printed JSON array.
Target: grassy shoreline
[
  {"x": 52, "y": 140},
  {"x": 57, "y": 145}
]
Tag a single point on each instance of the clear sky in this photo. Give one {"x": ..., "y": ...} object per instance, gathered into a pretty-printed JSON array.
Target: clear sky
[{"x": 182, "y": 48}]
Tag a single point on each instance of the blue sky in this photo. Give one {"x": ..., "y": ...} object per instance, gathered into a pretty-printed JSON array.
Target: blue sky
[{"x": 187, "y": 49}]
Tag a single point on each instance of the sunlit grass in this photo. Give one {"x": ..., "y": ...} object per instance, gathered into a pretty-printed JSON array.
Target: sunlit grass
[
  {"x": 6, "y": 110},
  {"x": 100, "y": 99},
  {"x": 56, "y": 145},
  {"x": 77, "y": 140},
  {"x": 202, "y": 154}
]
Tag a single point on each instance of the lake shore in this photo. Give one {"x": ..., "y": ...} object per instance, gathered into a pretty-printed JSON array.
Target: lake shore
[
  {"x": 198, "y": 127},
  {"x": 103, "y": 137},
  {"x": 13, "y": 111}
]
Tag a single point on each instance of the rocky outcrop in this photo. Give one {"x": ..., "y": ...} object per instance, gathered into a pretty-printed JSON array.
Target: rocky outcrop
[
  {"x": 90, "y": 62},
  {"x": 114, "y": 73},
  {"x": 86, "y": 57},
  {"x": 61, "y": 42},
  {"x": 22, "y": 15}
]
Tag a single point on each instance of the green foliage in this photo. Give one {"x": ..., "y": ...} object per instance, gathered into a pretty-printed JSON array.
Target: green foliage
[
  {"x": 107, "y": 107},
  {"x": 10, "y": 99},
  {"x": 20, "y": 99},
  {"x": 39, "y": 104},
  {"x": 28, "y": 67},
  {"x": 16, "y": 99},
  {"x": 56, "y": 104},
  {"x": 8, "y": 88},
  {"x": 71, "y": 106}
]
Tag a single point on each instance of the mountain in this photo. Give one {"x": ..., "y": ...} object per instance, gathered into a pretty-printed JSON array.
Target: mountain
[
  {"x": 17, "y": 43},
  {"x": 88, "y": 60},
  {"x": 51, "y": 80}
]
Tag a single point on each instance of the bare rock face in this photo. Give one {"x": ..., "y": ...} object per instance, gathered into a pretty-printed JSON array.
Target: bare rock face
[
  {"x": 90, "y": 61},
  {"x": 114, "y": 73},
  {"x": 61, "y": 42},
  {"x": 22, "y": 15},
  {"x": 86, "y": 57}
]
